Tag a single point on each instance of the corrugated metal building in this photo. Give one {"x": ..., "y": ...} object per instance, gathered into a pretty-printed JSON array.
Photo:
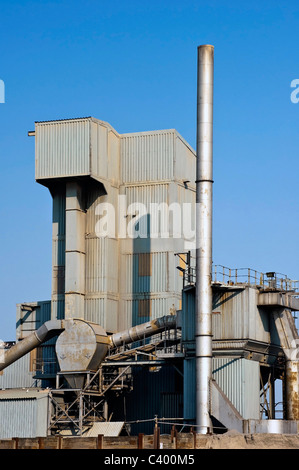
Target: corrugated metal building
[
  {"x": 24, "y": 413},
  {"x": 122, "y": 278},
  {"x": 126, "y": 277},
  {"x": 19, "y": 374},
  {"x": 244, "y": 347},
  {"x": 114, "y": 263}
]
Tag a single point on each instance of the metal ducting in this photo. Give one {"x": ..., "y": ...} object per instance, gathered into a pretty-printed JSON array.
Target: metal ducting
[
  {"x": 139, "y": 332},
  {"x": 47, "y": 331},
  {"x": 81, "y": 345}
]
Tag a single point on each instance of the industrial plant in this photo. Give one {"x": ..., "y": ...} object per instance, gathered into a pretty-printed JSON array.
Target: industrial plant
[{"x": 142, "y": 327}]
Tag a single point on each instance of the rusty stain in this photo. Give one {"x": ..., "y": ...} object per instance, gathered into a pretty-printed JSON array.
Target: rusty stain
[{"x": 292, "y": 395}]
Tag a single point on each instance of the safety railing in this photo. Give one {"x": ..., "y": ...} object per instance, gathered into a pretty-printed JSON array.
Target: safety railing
[
  {"x": 270, "y": 280},
  {"x": 248, "y": 276},
  {"x": 45, "y": 366}
]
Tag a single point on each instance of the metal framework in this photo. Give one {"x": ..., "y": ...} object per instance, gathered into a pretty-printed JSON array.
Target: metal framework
[{"x": 78, "y": 409}]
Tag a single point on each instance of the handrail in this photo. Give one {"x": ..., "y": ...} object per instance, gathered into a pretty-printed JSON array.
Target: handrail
[{"x": 248, "y": 276}]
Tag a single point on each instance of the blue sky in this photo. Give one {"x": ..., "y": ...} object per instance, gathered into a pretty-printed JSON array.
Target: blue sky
[{"x": 133, "y": 64}]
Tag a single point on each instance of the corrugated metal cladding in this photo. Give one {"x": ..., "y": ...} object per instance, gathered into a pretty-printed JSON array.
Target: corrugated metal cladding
[
  {"x": 103, "y": 311},
  {"x": 185, "y": 165},
  {"x": 147, "y": 272},
  {"x": 82, "y": 146},
  {"x": 57, "y": 308},
  {"x": 101, "y": 274},
  {"x": 58, "y": 228},
  {"x": 17, "y": 374},
  {"x": 144, "y": 307},
  {"x": 236, "y": 316},
  {"x": 147, "y": 193},
  {"x": 188, "y": 318},
  {"x": 147, "y": 167},
  {"x": 155, "y": 393},
  {"x": 62, "y": 148},
  {"x": 26, "y": 371},
  {"x": 94, "y": 197},
  {"x": 105, "y": 145},
  {"x": 239, "y": 379},
  {"x": 58, "y": 214},
  {"x": 30, "y": 316},
  {"x": 23, "y": 417},
  {"x": 148, "y": 156},
  {"x": 190, "y": 390},
  {"x": 109, "y": 429}
]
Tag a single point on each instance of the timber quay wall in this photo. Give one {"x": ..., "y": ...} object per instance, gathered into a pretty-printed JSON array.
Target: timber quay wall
[{"x": 180, "y": 441}]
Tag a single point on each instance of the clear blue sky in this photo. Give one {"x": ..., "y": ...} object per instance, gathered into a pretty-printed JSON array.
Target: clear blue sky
[{"x": 133, "y": 63}]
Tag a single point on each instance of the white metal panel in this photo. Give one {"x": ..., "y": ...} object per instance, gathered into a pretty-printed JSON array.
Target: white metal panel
[
  {"x": 185, "y": 161},
  {"x": 108, "y": 429},
  {"x": 103, "y": 311},
  {"x": 147, "y": 156},
  {"x": 101, "y": 265},
  {"x": 62, "y": 148},
  {"x": 147, "y": 193},
  {"x": 99, "y": 149},
  {"x": 113, "y": 163},
  {"x": 95, "y": 310}
]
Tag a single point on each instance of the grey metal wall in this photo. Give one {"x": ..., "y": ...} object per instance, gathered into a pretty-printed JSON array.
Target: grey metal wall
[
  {"x": 236, "y": 316},
  {"x": 239, "y": 379},
  {"x": 146, "y": 167},
  {"x": 188, "y": 335},
  {"x": 17, "y": 374},
  {"x": 23, "y": 414},
  {"x": 58, "y": 253},
  {"x": 42, "y": 362},
  {"x": 101, "y": 264},
  {"x": 30, "y": 316}
]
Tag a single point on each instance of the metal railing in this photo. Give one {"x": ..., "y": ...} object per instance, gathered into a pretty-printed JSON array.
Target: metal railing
[
  {"x": 248, "y": 276},
  {"x": 45, "y": 366}
]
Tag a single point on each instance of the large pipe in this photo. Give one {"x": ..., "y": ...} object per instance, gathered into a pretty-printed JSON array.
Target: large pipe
[
  {"x": 83, "y": 345},
  {"x": 47, "y": 331},
  {"x": 139, "y": 332},
  {"x": 204, "y": 208}
]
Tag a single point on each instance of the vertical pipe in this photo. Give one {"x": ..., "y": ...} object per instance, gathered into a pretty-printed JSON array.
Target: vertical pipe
[{"x": 204, "y": 207}]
